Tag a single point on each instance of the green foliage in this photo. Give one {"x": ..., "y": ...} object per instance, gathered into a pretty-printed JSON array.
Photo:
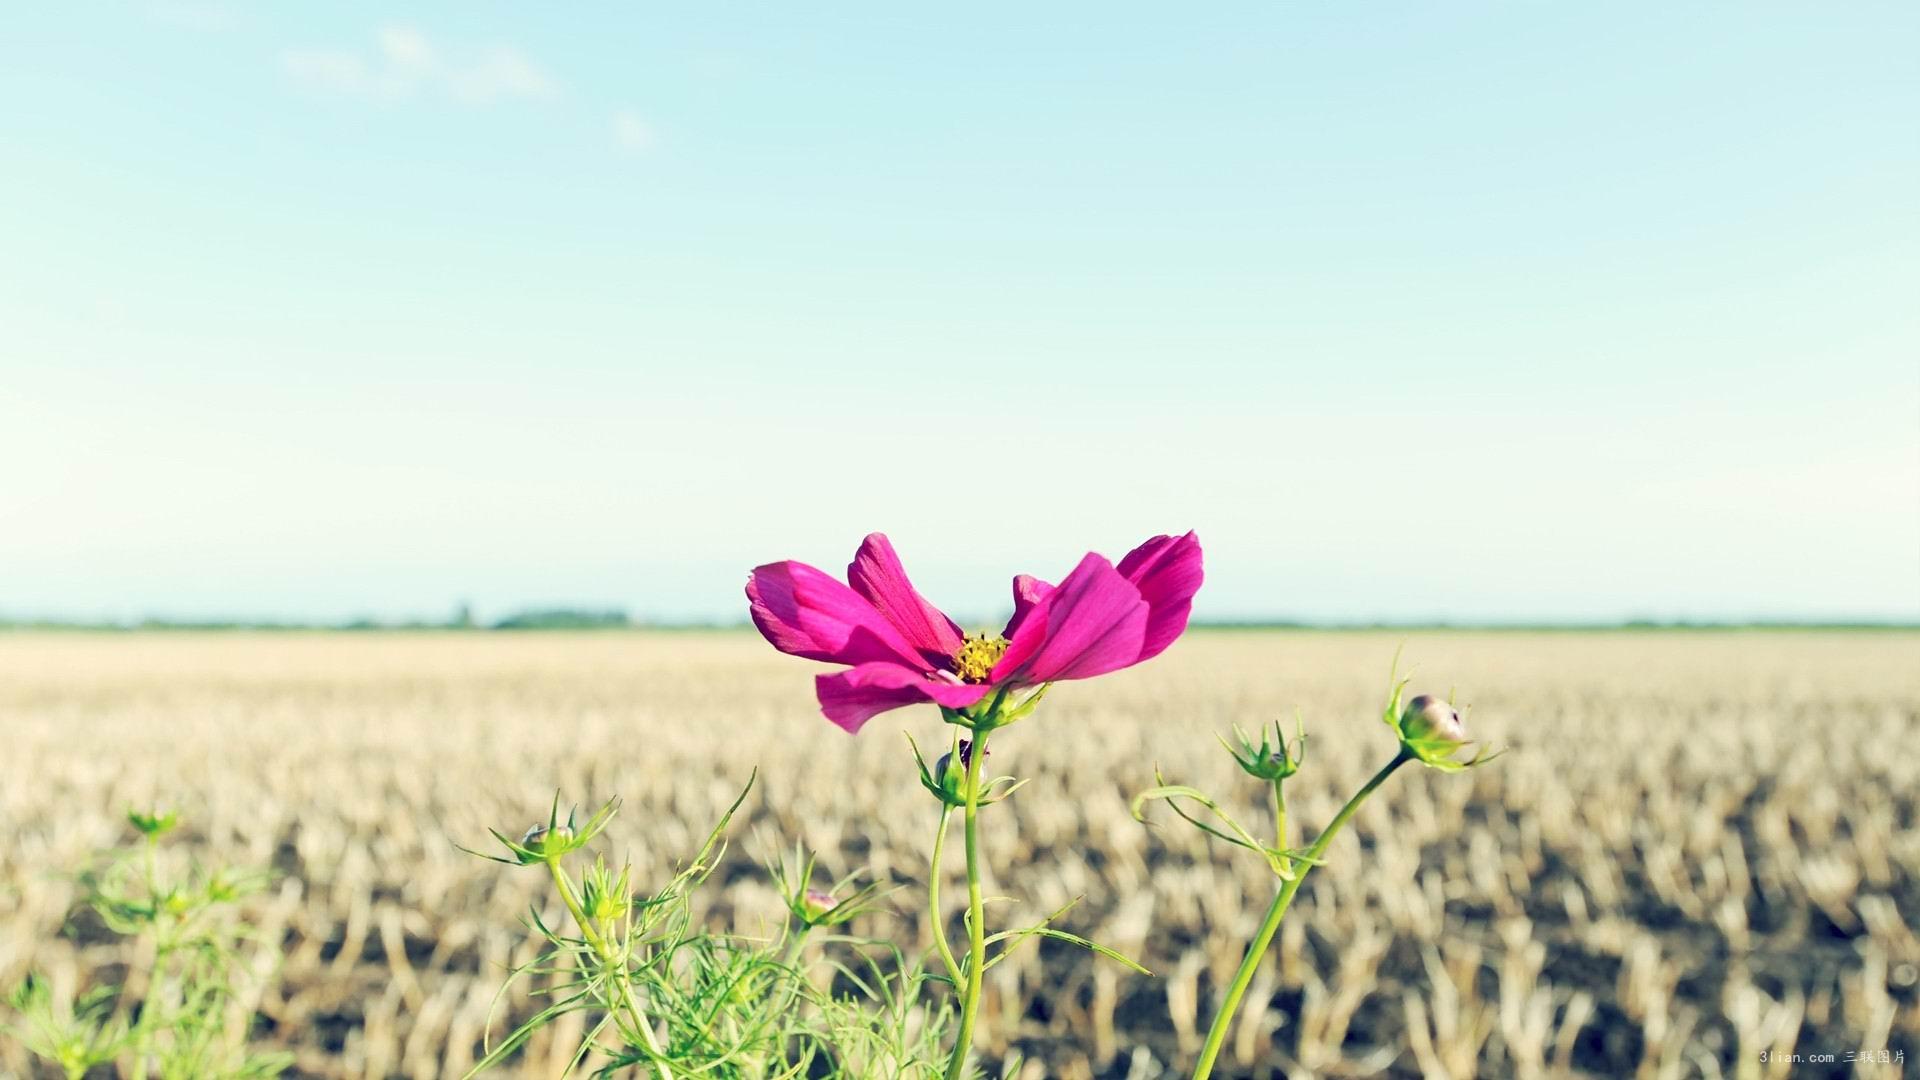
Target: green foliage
[
  {"x": 1429, "y": 731},
  {"x": 668, "y": 998},
  {"x": 73, "y": 1035},
  {"x": 187, "y": 1023}
]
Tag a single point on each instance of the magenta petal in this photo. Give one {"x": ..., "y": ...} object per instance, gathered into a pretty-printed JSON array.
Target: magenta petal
[
  {"x": 1028, "y": 593},
  {"x": 852, "y": 697},
  {"x": 876, "y": 574},
  {"x": 806, "y": 613},
  {"x": 1166, "y": 570},
  {"x": 1096, "y": 622},
  {"x": 1027, "y": 630}
]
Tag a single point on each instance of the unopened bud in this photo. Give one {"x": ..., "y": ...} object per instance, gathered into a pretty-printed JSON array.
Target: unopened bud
[
  {"x": 818, "y": 903},
  {"x": 1431, "y": 729},
  {"x": 604, "y": 895},
  {"x": 153, "y": 823},
  {"x": 547, "y": 840},
  {"x": 1272, "y": 758}
]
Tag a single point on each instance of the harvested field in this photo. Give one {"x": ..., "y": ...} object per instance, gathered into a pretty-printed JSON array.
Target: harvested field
[{"x": 1701, "y": 848}]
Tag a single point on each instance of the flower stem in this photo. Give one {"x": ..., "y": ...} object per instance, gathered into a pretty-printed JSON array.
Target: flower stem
[
  {"x": 616, "y": 966},
  {"x": 976, "y": 928},
  {"x": 933, "y": 898},
  {"x": 143, "y": 1032},
  {"x": 1257, "y": 950},
  {"x": 1279, "y": 815}
]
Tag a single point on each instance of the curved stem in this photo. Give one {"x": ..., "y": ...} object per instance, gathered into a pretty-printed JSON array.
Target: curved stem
[
  {"x": 1257, "y": 950},
  {"x": 933, "y": 898},
  {"x": 617, "y": 971},
  {"x": 976, "y": 928}
]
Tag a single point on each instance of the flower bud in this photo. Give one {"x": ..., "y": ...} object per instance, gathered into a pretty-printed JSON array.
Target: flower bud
[
  {"x": 153, "y": 824},
  {"x": 604, "y": 895},
  {"x": 1429, "y": 719},
  {"x": 1272, "y": 758},
  {"x": 817, "y": 904},
  {"x": 1431, "y": 729},
  {"x": 966, "y": 754},
  {"x": 547, "y": 840},
  {"x": 951, "y": 771}
]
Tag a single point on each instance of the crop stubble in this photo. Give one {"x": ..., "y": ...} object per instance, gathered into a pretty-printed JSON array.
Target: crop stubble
[{"x": 1701, "y": 846}]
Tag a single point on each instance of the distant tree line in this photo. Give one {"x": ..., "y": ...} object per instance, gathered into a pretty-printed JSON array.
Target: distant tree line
[
  {"x": 551, "y": 618},
  {"x": 613, "y": 618}
]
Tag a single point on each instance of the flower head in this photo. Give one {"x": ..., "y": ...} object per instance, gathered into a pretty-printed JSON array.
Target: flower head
[{"x": 900, "y": 650}]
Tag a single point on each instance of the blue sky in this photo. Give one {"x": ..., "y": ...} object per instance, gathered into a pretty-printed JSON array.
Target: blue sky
[{"x": 1515, "y": 311}]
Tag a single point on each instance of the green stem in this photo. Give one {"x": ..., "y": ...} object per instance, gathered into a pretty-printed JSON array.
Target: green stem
[
  {"x": 796, "y": 942},
  {"x": 143, "y": 1030},
  {"x": 793, "y": 978},
  {"x": 1279, "y": 815},
  {"x": 933, "y": 898},
  {"x": 976, "y": 921},
  {"x": 616, "y": 966},
  {"x": 1257, "y": 950}
]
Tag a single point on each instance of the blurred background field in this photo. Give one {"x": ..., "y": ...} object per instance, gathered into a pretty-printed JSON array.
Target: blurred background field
[{"x": 1701, "y": 847}]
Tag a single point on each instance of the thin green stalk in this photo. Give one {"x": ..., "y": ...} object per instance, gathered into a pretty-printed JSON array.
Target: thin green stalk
[
  {"x": 790, "y": 961},
  {"x": 617, "y": 966},
  {"x": 933, "y": 898},
  {"x": 1257, "y": 950},
  {"x": 976, "y": 921},
  {"x": 143, "y": 1028},
  {"x": 1279, "y": 814},
  {"x": 793, "y": 978},
  {"x": 796, "y": 942}
]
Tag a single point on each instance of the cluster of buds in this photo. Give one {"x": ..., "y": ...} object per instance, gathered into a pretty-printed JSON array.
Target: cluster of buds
[
  {"x": 552, "y": 840},
  {"x": 947, "y": 779},
  {"x": 606, "y": 897}
]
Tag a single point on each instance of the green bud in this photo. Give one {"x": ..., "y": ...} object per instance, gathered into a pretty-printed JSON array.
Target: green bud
[
  {"x": 548, "y": 840},
  {"x": 1431, "y": 730},
  {"x": 154, "y": 823},
  {"x": 947, "y": 780},
  {"x": 1428, "y": 719},
  {"x": 951, "y": 771},
  {"x": 1273, "y": 758},
  {"x": 817, "y": 904},
  {"x": 604, "y": 895},
  {"x": 553, "y": 840}
]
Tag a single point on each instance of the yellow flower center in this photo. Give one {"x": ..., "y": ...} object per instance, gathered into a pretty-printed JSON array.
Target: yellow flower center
[{"x": 974, "y": 662}]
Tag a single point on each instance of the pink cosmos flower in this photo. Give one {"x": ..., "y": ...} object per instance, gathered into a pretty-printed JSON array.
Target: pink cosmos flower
[{"x": 900, "y": 650}]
